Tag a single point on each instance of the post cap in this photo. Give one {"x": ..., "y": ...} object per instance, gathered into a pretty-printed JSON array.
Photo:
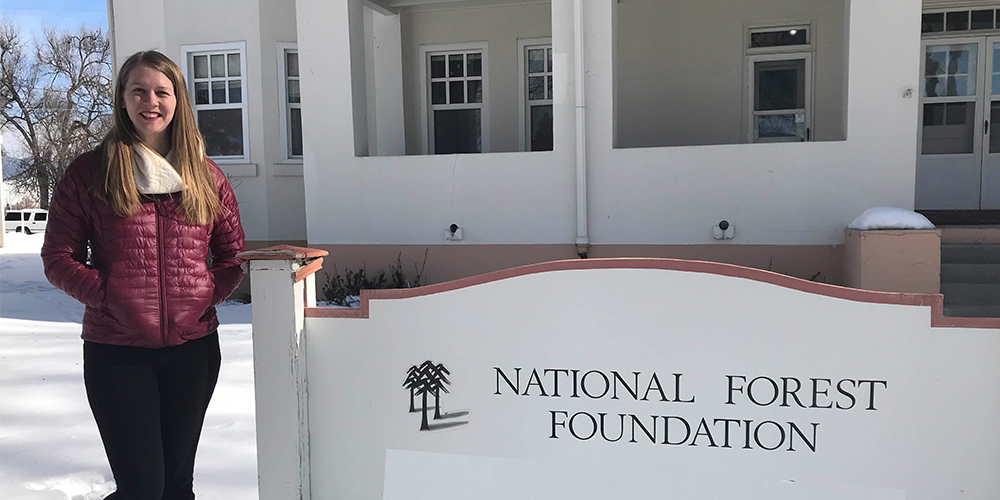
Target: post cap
[{"x": 282, "y": 252}]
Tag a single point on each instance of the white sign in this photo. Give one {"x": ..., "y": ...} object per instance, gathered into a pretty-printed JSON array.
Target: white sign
[{"x": 651, "y": 383}]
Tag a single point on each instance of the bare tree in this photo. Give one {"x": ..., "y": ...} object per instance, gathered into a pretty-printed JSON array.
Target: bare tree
[{"x": 58, "y": 101}]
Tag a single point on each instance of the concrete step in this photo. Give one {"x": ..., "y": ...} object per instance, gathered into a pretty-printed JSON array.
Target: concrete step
[
  {"x": 971, "y": 294},
  {"x": 970, "y": 234},
  {"x": 973, "y": 311},
  {"x": 970, "y": 273},
  {"x": 970, "y": 253}
]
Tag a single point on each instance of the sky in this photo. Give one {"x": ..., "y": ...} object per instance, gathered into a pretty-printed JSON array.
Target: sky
[{"x": 34, "y": 15}]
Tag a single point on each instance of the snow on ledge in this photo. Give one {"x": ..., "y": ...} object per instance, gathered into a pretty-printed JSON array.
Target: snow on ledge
[{"x": 890, "y": 218}]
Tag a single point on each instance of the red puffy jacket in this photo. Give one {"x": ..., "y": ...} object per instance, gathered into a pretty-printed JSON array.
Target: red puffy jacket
[{"x": 147, "y": 283}]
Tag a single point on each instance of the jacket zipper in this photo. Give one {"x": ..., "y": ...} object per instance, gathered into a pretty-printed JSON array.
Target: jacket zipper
[{"x": 163, "y": 292}]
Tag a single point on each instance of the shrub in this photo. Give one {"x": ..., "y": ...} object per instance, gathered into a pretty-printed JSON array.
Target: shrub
[{"x": 344, "y": 289}]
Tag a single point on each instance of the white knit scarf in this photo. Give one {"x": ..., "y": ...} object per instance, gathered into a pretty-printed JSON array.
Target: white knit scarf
[{"x": 153, "y": 173}]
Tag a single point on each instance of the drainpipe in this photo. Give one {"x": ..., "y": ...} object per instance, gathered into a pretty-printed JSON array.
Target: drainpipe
[{"x": 582, "y": 240}]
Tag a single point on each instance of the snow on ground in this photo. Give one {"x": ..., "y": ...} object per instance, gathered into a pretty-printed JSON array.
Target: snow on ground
[{"x": 49, "y": 445}]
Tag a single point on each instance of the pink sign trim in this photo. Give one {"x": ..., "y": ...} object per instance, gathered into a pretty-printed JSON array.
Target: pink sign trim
[{"x": 935, "y": 301}]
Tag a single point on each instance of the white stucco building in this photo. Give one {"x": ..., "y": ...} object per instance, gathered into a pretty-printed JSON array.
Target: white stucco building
[{"x": 548, "y": 129}]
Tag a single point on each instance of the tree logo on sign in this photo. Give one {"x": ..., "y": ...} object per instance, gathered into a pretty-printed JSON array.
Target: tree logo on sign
[{"x": 430, "y": 380}]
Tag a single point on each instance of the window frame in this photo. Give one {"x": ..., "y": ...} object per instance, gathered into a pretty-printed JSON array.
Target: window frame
[
  {"x": 188, "y": 52},
  {"x": 753, "y": 55},
  {"x": 285, "y": 107},
  {"x": 426, "y": 108},
  {"x": 523, "y": 113}
]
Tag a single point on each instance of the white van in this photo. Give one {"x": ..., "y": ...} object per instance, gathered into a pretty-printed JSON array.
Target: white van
[{"x": 29, "y": 220}]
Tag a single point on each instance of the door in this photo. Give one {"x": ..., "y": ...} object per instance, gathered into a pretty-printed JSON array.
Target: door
[
  {"x": 959, "y": 161},
  {"x": 779, "y": 86},
  {"x": 990, "y": 189}
]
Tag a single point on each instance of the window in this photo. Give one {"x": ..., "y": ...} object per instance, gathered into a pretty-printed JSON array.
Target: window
[
  {"x": 216, "y": 74},
  {"x": 291, "y": 101},
  {"x": 779, "y": 82},
  {"x": 13, "y": 216},
  {"x": 536, "y": 94},
  {"x": 961, "y": 20},
  {"x": 456, "y": 90},
  {"x": 40, "y": 216}
]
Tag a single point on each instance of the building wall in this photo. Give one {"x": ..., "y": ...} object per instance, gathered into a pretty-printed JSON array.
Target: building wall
[
  {"x": 781, "y": 194},
  {"x": 270, "y": 193},
  {"x": 681, "y": 68},
  {"x": 500, "y": 198},
  {"x": 500, "y": 27},
  {"x": 800, "y": 194}
]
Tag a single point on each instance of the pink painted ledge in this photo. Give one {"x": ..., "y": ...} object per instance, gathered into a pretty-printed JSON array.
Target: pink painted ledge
[
  {"x": 282, "y": 252},
  {"x": 935, "y": 301}
]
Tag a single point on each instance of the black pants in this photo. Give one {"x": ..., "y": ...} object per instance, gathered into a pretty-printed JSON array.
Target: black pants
[{"x": 150, "y": 405}]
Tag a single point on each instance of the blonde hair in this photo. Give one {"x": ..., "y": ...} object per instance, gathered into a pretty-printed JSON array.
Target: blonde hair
[{"x": 115, "y": 183}]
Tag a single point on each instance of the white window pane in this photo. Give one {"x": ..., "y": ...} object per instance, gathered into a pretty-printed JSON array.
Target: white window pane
[
  {"x": 951, "y": 70},
  {"x": 219, "y": 92},
  {"x": 457, "y": 131},
  {"x": 995, "y": 131},
  {"x": 536, "y": 61},
  {"x": 295, "y": 132},
  {"x": 948, "y": 128},
  {"x": 536, "y": 88},
  {"x": 541, "y": 128},
  {"x": 234, "y": 64},
  {"x": 996, "y": 70},
  {"x": 437, "y": 66},
  {"x": 439, "y": 93},
  {"x": 201, "y": 66},
  {"x": 292, "y": 64},
  {"x": 294, "y": 96},
  {"x": 201, "y": 93},
  {"x": 779, "y": 85},
  {"x": 780, "y": 38},
  {"x": 218, "y": 65},
  {"x": 456, "y": 92},
  {"x": 936, "y": 61},
  {"x": 780, "y": 126},
  {"x": 982, "y": 19},
  {"x": 957, "y": 21},
  {"x": 932, "y": 22},
  {"x": 456, "y": 65},
  {"x": 475, "y": 65},
  {"x": 222, "y": 130},
  {"x": 475, "y": 91},
  {"x": 235, "y": 91}
]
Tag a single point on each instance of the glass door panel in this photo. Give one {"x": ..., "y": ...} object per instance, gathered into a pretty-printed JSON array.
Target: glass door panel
[
  {"x": 950, "y": 70},
  {"x": 990, "y": 180},
  {"x": 949, "y": 128},
  {"x": 953, "y": 117}
]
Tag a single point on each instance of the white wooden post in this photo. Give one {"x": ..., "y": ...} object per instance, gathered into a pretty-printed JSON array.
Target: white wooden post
[{"x": 281, "y": 286}]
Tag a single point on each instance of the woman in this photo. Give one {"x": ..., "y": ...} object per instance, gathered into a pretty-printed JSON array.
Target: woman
[{"x": 152, "y": 209}]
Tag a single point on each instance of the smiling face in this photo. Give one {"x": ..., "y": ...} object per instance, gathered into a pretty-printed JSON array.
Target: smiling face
[{"x": 150, "y": 101}]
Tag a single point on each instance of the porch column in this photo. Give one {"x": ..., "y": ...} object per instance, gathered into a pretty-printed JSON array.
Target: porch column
[{"x": 282, "y": 284}]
